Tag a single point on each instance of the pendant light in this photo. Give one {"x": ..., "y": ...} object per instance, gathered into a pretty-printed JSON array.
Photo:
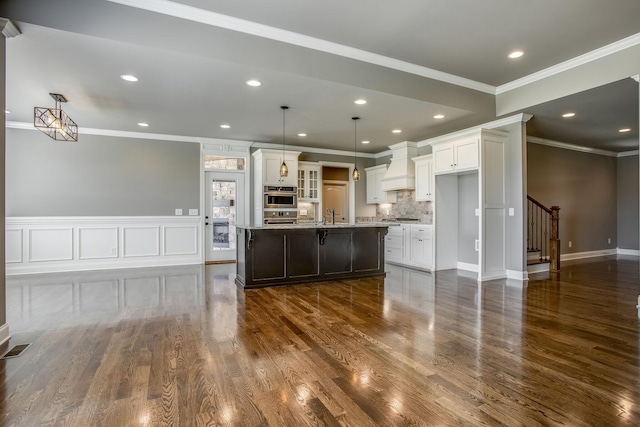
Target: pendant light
[
  {"x": 284, "y": 170},
  {"x": 356, "y": 172}
]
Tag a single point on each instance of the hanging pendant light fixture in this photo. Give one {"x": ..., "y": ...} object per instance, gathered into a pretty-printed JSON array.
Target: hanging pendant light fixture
[
  {"x": 284, "y": 170},
  {"x": 356, "y": 172},
  {"x": 55, "y": 122}
]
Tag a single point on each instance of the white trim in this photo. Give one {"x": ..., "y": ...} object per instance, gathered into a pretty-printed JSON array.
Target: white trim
[
  {"x": 517, "y": 118},
  {"x": 492, "y": 276},
  {"x": 158, "y": 241},
  {"x": 629, "y": 153},
  {"x": 4, "y": 334},
  {"x": 8, "y": 28},
  {"x": 210, "y": 144},
  {"x": 588, "y": 254},
  {"x": 468, "y": 267},
  {"x": 594, "y": 55},
  {"x": 214, "y": 19},
  {"x": 636, "y": 78},
  {"x": 633, "y": 252},
  {"x": 518, "y": 275},
  {"x": 567, "y": 146},
  {"x": 538, "y": 268}
]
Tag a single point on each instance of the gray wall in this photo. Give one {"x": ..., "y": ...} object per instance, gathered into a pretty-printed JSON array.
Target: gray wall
[
  {"x": 584, "y": 186},
  {"x": 99, "y": 176},
  {"x": 468, "y": 202},
  {"x": 627, "y": 180}
]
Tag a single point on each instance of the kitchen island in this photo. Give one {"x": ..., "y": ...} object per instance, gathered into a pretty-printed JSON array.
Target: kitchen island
[{"x": 272, "y": 255}]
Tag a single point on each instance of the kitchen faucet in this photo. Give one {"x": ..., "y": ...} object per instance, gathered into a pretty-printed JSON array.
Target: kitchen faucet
[{"x": 332, "y": 212}]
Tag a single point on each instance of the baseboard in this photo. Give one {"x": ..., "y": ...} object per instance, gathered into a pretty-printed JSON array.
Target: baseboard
[
  {"x": 538, "y": 268},
  {"x": 517, "y": 275},
  {"x": 467, "y": 267},
  {"x": 492, "y": 276},
  {"x": 633, "y": 252},
  {"x": 4, "y": 334},
  {"x": 588, "y": 254}
]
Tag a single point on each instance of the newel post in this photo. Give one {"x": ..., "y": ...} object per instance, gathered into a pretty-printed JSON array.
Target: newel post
[{"x": 554, "y": 240}]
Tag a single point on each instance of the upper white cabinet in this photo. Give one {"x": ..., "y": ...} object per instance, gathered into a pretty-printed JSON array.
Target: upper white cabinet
[
  {"x": 267, "y": 163},
  {"x": 424, "y": 177},
  {"x": 375, "y": 193},
  {"x": 309, "y": 178},
  {"x": 456, "y": 155}
]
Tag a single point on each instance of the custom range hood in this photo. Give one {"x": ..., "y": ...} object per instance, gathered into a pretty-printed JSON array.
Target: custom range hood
[{"x": 401, "y": 173}]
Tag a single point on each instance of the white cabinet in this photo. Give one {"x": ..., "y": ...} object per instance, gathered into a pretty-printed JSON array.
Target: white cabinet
[
  {"x": 394, "y": 244},
  {"x": 309, "y": 178},
  {"x": 421, "y": 251},
  {"x": 375, "y": 193},
  {"x": 270, "y": 161},
  {"x": 410, "y": 245},
  {"x": 456, "y": 155},
  {"x": 424, "y": 177}
]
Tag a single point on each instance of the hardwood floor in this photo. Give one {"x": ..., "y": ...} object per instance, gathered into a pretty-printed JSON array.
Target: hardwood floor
[{"x": 184, "y": 346}]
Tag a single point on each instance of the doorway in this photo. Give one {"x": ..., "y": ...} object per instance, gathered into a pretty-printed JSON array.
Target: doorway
[
  {"x": 224, "y": 208},
  {"x": 335, "y": 196}
]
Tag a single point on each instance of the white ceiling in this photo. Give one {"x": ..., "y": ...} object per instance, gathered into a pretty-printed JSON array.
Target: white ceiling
[{"x": 417, "y": 58}]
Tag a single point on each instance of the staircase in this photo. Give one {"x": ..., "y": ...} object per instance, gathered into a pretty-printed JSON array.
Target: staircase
[{"x": 543, "y": 243}]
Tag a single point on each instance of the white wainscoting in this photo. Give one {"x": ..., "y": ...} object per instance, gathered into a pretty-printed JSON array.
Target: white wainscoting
[{"x": 49, "y": 244}]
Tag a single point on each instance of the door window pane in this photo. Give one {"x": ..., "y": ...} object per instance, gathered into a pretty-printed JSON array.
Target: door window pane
[{"x": 223, "y": 214}]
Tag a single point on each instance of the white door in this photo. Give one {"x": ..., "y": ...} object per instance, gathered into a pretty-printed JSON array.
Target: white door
[
  {"x": 224, "y": 208},
  {"x": 336, "y": 197}
]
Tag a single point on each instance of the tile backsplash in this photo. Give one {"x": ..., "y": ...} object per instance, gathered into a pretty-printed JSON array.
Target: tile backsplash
[{"x": 406, "y": 207}]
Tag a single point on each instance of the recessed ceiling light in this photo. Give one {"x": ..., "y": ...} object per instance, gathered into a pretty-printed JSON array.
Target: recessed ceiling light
[
  {"x": 225, "y": 126},
  {"x": 439, "y": 116},
  {"x": 360, "y": 101},
  {"x": 302, "y": 134},
  {"x": 515, "y": 54},
  {"x": 129, "y": 78},
  {"x": 7, "y": 112},
  {"x": 567, "y": 115},
  {"x": 396, "y": 130},
  {"x": 254, "y": 83},
  {"x": 365, "y": 142},
  {"x": 625, "y": 130},
  {"x": 144, "y": 125}
]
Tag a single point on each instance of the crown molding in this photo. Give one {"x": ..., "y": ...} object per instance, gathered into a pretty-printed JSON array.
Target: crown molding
[
  {"x": 571, "y": 63},
  {"x": 8, "y": 28},
  {"x": 195, "y": 139},
  {"x": 214, "y": 19},
  {"x": 580, "y": 148},
  {"x": 517, "y": 118}
]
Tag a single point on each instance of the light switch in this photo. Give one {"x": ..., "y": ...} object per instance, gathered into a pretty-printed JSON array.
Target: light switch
[
  {"x": 303, "y": 212},
  {"x": 193, "y": 212},
  {"x": 512, "y": 212},
  {"x": 477, "y": 212},
  {"x": 178, "y": 211}
]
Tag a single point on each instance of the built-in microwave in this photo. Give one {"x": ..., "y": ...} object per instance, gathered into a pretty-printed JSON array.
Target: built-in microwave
[{"x": 280, "y": 197}]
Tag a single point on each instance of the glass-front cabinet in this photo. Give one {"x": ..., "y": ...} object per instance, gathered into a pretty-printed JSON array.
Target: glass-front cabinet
[{"x": 309, "y": 177}]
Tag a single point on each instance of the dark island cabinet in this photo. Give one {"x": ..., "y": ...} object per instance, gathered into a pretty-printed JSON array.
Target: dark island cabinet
[{"x": 281, "y": 255}]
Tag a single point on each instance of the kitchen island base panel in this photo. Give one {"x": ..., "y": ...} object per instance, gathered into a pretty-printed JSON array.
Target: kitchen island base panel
[{"x": 284, "y": 256}]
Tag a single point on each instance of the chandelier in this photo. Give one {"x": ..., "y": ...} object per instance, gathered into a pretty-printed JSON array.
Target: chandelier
[{"x": 55, "y": 122}]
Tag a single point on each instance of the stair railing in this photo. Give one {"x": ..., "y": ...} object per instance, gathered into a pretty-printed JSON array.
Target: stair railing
[{"x": 543, "y": 233}]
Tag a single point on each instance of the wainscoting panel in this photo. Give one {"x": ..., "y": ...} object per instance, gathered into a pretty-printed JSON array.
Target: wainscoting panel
[
  {"x": 180, "y": 240},
  {"x": 50, "y": 244},
  {"x": 97, "y": 243},
  {"x": 141, "y": 241},
  {"x": 13, "y": 250}
]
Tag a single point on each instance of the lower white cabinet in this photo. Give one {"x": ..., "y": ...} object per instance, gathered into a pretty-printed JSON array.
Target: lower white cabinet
[{"x": 410, "y": 245}]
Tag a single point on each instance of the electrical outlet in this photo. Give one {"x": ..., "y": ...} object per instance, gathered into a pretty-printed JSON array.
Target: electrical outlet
[
  {"x": 609, "y": 240},
  {"x": 570, "y": 243},
  {"x": 178, "y": 211},
  {"x": 113, "y": 251},
  {"x": 512, "y": 211},
  {"x": 477, "y": 212},
  {"x": 193, "y": 212},
  {"x": 477, "y": 245}
]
